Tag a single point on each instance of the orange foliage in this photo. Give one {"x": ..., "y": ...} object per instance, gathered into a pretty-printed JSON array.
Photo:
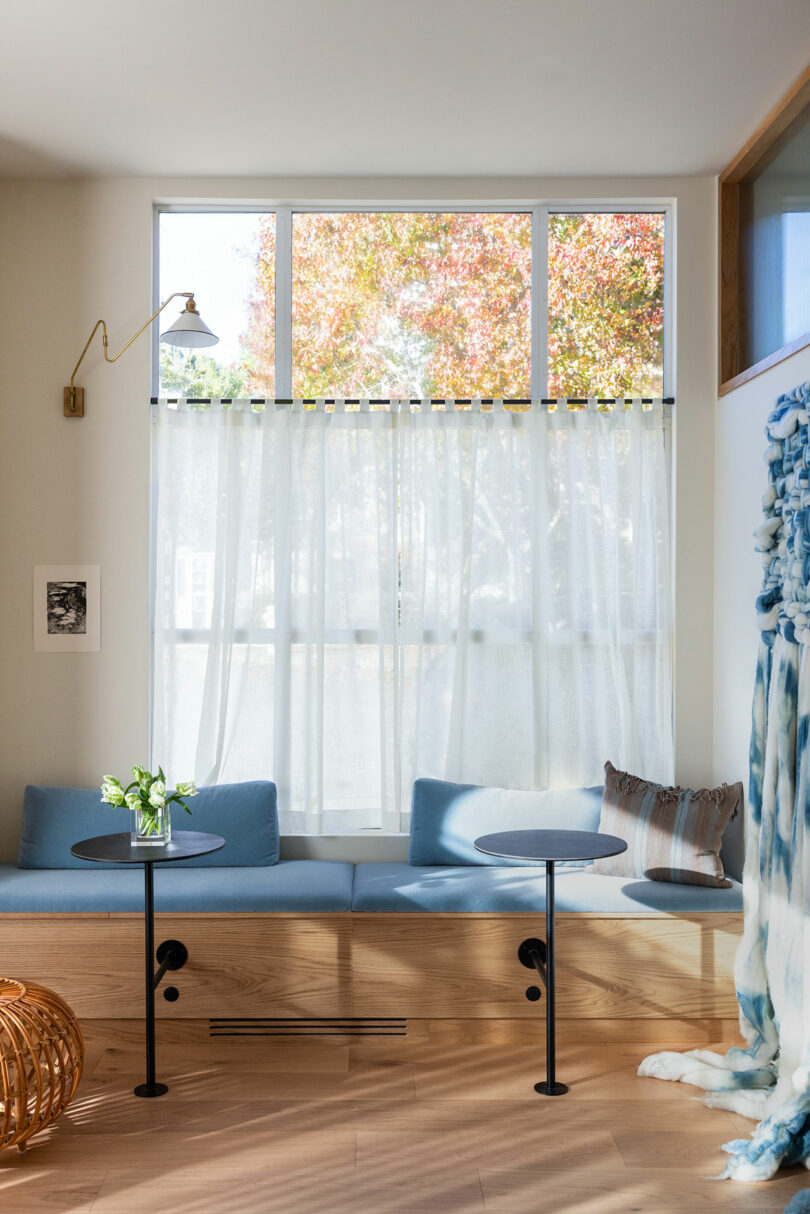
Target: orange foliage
[
  {"x": 605, "y": 305},
  {"x": 424, "y": 304}
]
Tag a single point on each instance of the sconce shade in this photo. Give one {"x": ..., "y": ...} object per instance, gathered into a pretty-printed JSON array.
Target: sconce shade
[{"x": 189, "y": 330}]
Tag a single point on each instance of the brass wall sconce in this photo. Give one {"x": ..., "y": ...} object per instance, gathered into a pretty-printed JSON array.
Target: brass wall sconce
[{"x": 189, "y": 330}]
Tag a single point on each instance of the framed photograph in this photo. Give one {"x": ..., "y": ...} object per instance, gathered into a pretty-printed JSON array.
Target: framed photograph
[{"x": 67, "y": 609}]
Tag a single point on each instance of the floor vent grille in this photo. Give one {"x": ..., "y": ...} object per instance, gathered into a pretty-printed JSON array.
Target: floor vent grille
[{"x": 261, "y": 1026}]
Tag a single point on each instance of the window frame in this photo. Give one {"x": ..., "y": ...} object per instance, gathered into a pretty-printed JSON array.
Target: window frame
[
  {"x": 539, "y": 212},
  {"x": 746, "y": 166}
]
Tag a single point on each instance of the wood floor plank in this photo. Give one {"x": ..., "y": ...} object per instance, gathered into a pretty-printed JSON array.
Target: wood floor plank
[
  {"x": 672, "y": 1148},
  {"x": 743, "y": 1125},
  {"x": 677, "y": 1034},
  {"x": 128, "y": 1117},
  {"x": 546, "y": 1146},
  {"x": 244, "y": 1192},
  {"x": 443, "y": 1115},
  {"x": 364, "y": 1190},
  {"x": 593, "y": 1192},
  {"x": 32, "y": 1192},
  {"x": 177, "y": 1154},
  {"x": 258, "y": 1055},
  {"x": 216, "y": 1081},
  {"x": 509, "y": 1073},
  {"x": 399, "y": 1188}
]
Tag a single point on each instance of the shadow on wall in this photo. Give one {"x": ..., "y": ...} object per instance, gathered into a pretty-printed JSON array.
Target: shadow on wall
[{"x": 22, "y": 160}]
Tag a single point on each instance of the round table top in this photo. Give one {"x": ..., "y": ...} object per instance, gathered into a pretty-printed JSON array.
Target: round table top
[
  {"x": 550, "y": 845},
  {"x": 119, "y": 849}
]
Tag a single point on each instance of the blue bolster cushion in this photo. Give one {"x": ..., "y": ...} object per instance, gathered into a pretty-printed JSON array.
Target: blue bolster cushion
[
  {"x": 245, "y": 815},
  {"x": 447, "y": 818}
]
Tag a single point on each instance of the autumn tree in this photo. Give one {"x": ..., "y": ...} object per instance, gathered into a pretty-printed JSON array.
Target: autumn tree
[
  {"x": 403, "y": 304},
  {"x": 605, "y": 305},
  {"x": 257, "y": 363}
]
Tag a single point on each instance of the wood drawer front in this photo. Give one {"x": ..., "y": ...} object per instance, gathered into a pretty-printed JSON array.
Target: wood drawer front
[
  {"x": 250, "y": 965},
  {"x": 462, "y": 966}
]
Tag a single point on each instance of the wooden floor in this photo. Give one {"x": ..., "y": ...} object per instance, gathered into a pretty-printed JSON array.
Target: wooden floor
[{"x": 258, "y": 1126}]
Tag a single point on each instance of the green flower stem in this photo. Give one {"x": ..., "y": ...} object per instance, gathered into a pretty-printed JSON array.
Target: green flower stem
[{"x": 148, "y": 822}]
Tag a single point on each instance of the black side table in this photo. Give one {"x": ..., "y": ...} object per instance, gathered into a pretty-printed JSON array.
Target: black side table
[
  {"x": 551, "y": 846},
  {"x": 171, "y": 954}
]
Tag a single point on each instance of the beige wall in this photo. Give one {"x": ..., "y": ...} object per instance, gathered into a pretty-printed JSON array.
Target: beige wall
[
  {"x": 740, "y": 481},
  {"x": 78, "y": 491}
]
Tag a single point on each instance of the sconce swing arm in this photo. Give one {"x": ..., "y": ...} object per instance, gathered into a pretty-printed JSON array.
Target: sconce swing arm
[{"x": 73, "y": 397}]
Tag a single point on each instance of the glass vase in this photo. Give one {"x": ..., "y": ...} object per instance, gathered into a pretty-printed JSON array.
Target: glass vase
[{"x": 152, "y": 827}]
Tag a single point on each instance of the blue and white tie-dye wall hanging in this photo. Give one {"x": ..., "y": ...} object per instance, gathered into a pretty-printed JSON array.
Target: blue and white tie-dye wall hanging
[{"x": 770, "y": 1079}]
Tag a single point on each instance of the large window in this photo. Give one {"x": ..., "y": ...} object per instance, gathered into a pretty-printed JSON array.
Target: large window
[
  {"x": 348, "y": 595},
  {"x": 309, "y": 303}
]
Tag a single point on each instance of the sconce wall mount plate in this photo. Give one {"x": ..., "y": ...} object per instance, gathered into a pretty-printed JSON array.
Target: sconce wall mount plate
[{"x": 73, "y": 402}]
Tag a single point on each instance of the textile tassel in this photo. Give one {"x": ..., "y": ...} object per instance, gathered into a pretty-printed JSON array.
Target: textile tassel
[{"x": 769, "y": 1080}]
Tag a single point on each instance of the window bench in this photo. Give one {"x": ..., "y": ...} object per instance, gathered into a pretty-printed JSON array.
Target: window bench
[
  {"x": 434, "y": 944},
  {"x": 282, "y": 942}
]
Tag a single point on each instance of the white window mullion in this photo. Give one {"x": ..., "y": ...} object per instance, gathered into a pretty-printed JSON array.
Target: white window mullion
[
  {"x": 539, "y": 378},
  {"x": 669, "y": 300},
  {"x": 284, "y": 302},
  {"x": 540, "y": 578},
  {"x": 156, "y": 302}
]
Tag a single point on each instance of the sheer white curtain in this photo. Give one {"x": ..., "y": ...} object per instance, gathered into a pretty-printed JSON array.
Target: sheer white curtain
[{"x": 348, "y": 598}]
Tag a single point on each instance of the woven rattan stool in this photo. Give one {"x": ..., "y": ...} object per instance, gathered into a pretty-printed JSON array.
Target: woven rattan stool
[{"x": 41, "y": 1058}]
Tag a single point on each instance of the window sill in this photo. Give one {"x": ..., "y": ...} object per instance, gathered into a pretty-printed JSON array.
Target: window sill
[
  {"x": 354, "y": 847},
  {"x": 764, "y": 364}
]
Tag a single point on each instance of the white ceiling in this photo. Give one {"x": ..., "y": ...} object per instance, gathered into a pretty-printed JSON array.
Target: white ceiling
[{"x": 257, "y": 88}]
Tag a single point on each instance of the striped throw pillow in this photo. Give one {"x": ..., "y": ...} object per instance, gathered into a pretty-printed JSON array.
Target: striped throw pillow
[{"x": 672, "y": 834}]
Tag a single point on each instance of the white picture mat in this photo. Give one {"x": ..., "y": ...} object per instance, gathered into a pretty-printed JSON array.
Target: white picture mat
[{"x": 88, "y": 641}]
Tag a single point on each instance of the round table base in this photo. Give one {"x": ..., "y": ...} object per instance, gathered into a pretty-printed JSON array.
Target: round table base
[
  {"x": 151, "y": 1089},
  {"x": 555, "y": 1089}
]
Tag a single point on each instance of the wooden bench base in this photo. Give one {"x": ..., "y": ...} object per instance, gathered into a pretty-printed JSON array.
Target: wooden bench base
[{"x": 619, "y": 977}]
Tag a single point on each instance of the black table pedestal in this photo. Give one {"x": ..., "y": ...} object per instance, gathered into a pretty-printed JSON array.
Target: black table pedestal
[
  {"x": 539, "y": 955},
  {"x": 150, "y": 1088}
]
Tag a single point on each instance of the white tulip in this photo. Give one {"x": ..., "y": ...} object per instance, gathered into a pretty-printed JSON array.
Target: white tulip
[
  {"x": 157, "y": 794},
  {"x": 111, "y": 791}
]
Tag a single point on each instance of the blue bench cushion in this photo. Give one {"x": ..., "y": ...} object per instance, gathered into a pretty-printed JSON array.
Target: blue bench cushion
[
  {"x": 326, "y": 885},
  {"x": 290, "y": 885},
  {"x": 447, "y": 818},
  {"x": 244, "y": 814},
  {"x": 405, "y": 887}
]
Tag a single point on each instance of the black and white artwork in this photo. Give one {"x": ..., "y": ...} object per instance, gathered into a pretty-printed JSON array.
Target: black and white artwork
[{"x": 67, "y": 609}]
